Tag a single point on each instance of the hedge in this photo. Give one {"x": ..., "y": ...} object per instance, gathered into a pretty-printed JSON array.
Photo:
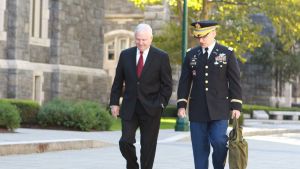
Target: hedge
[
  {"x": 248, "y": 109},
  {"x": 28, "y": 110},
  {"x": 9, "y": 116},
  {"x": 82, "y": 115}
]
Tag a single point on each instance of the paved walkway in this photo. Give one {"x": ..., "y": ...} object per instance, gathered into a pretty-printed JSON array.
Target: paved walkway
[{"x": 173, "y": 152}]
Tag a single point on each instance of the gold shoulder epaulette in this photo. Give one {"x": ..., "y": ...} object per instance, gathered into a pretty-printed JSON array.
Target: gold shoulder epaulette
[{"x": 188, "y": 49}]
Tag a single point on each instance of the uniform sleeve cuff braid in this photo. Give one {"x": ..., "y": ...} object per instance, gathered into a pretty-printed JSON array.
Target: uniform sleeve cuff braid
[{"x": 236, "y": 101}]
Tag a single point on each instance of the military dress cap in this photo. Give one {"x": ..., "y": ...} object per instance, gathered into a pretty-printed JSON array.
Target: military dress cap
[{"x": 202, "y": 28}]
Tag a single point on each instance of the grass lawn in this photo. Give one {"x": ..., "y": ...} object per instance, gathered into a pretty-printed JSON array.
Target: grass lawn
[{"x": 165, "y": 123}]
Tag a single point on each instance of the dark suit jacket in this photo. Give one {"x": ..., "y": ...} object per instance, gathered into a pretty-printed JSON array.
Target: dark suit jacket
[
  {"x": 153, "y": 88},
  {"x": 216, "y": 86}
]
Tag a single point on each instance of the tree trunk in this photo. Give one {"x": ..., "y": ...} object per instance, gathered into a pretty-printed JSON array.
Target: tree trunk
[
  {"x": 205, "y": 10},
  {"x": 180, "y": 10},
  {"x": 276, "y": 86}
]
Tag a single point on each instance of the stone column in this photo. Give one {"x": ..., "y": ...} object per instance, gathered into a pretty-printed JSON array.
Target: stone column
[
  {"x": 17, "y": 41},
  {"x": 18, "y": 29}
]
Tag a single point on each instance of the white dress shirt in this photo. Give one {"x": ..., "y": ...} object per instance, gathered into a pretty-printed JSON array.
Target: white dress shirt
[
  {"x": 210, "y": 48},
  {"x": 145, "y": 54}
]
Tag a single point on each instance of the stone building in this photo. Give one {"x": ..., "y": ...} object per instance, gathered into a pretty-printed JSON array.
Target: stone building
[
  {"x": 70, "y": 48},
  {"x": 259, "y": 87},
  {"x": 66, "y": 48}
]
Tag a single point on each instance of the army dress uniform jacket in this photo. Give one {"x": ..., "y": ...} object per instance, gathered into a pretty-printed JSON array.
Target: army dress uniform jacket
[{"x": 215, "y": 84}]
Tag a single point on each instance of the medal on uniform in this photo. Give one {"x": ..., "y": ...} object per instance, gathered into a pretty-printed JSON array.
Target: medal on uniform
[
  {"x": 217, "y": 60},
  {"x": 193, "y": 64},
  {"x": 194, "y": 72},
  {"x": 221, "y": 58}
]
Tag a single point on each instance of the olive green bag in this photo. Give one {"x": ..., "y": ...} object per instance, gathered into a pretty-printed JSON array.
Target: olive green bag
[{"x": 238, "y": 147}]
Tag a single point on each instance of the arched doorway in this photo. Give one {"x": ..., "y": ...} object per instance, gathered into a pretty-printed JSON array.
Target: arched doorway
[{"x": 114, "y": 42}]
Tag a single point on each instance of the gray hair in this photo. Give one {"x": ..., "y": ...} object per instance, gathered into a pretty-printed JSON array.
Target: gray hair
[{"x": 143, "y": 27}]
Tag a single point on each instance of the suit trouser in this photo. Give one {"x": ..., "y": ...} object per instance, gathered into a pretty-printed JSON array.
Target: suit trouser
[
  {"x": 149, "y": 128},
  {"x": 203, "y": 135}
]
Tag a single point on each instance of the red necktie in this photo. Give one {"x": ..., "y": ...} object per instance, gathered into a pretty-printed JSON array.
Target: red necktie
[{"x": 140, "y": 65}]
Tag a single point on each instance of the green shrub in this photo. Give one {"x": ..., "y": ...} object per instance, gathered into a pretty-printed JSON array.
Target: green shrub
[
  {"x": 83, "y": 115},
  {"x": 248, "y": 109},
  {"x": 9, "y": 116},
  {"x": 55, "y": 113},
  {"x": 90, "y": 115},
  {"x": 28, "y": 110}
]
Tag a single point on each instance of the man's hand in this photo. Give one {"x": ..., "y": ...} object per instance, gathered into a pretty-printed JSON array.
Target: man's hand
[
  {"x": 115, "y": 111},
  {"x": 236, "y": 114},
  {"x": 181, "y": 113}
]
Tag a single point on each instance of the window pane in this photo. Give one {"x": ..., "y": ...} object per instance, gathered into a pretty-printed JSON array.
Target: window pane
[
  {"x": 111, "y": 51},
  {"x": 111, "y": 55},
  {"x": 111, "y": 46},
  {"x": 123, "y": 44}
]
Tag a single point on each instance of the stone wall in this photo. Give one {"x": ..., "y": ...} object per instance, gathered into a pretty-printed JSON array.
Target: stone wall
[
  {"x": 76, "y": 86},
  {"x": 2, "y": 49},
  {"x": 3, "y": 80},
  {"x": 121, "y": 15},
  {"x": 76, "y": 32},
  {"x": 296, "y": 91},
  {"x": 259, "y": 87},
  {"x": 19, "y": 84},
  {"x": 123, "y": 7},
  {"x": 39, "y": 54},
  {"x": 70, "y": 67},
  {"x": 18, "y": 29},
  {"x": 256, "y": 84},
  {"x": 157, "y": 16},
  {"x": 83, "y": 87},
  {"x": 24, "y": 84}
]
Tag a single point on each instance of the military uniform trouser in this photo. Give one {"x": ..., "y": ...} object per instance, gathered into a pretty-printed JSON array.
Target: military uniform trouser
[{"x": 203, "y": 135}]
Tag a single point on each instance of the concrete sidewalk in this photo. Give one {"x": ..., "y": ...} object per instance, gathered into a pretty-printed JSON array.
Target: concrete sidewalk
[{"x": 26, "y": 141}]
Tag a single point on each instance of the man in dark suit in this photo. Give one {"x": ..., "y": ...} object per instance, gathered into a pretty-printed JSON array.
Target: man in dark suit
[
  {"x": 146, "y": 73},
  {"x": 212, "y": 73}
]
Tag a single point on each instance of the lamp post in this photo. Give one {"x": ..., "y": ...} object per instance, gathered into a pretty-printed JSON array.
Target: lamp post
[{"x": 182, "y": 124}]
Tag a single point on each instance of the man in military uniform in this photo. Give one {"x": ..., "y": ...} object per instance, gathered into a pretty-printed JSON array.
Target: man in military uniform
[{"x": 210, "y": 83}]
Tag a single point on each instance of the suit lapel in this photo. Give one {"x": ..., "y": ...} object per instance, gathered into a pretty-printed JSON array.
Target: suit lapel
[{"x": 133, "y": 62}]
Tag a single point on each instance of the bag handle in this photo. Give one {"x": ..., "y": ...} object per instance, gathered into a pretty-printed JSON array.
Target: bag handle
[{"x": 236, "y": 129}]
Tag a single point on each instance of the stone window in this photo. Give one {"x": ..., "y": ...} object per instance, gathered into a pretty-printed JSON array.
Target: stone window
[
  {"x": 2, "y": 16},
  {"x": 39, "y": 18},
  {"x": 123, "y": 44},
  {"x": 114, "y": 42},
  {"x": 37, "y": 93},
  {"x": 116, "y": 45},
  {"x": 111, "y": 51}
]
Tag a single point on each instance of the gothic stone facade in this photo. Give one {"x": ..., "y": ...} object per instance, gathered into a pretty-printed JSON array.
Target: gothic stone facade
[
  {"x": 70, "y": 48},
  {"x": 51, "y": 48},
  {"x": 66, "y": 48}
]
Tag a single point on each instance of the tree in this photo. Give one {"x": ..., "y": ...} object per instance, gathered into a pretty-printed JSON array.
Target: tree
[
  {"x": 284, "y": 64},
  {"x": 237, "y": 29},
  {"x": 170, "y": 40}
]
